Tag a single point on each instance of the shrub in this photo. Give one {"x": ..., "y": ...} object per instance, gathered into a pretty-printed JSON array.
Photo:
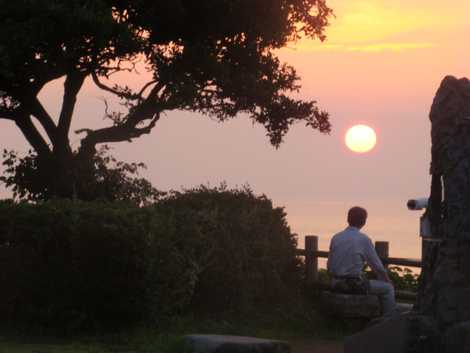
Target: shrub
[
  {"x": 74, "y": 265},
  {"x": 403, "y": 278},
  {"x": 242, "y": 247},
  {"x": 71, "y": 265}
]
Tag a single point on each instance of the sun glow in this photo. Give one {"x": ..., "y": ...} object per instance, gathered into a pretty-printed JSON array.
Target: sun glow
[
  {"x": 376, "y": 21},
  {"x": 361, "y": 138},
  {"x": 380, "y": 26}
]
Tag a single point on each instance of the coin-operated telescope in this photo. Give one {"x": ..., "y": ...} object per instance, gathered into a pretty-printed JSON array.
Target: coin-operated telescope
[
  {"x": 425, "y": 224},
  {"x": 417, "y": 204}
]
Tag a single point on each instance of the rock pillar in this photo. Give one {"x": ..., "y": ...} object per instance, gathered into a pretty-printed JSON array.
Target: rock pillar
[{"x": 445, "y": 286}]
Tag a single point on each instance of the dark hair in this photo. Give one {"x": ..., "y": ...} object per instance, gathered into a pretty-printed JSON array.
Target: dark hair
[{"x": 357, "y": 217}]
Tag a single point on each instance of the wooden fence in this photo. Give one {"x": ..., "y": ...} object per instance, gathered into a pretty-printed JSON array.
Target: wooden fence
[{"x": 312, "y": 253}]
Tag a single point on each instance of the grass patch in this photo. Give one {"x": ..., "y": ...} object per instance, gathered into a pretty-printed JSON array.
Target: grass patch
[
  {"x": 168, "y": 337},
  {"x": 140, "y": 343}
]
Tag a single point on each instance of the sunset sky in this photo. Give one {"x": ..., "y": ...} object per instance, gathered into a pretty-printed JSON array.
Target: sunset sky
[{"x": 381, "y": 65}]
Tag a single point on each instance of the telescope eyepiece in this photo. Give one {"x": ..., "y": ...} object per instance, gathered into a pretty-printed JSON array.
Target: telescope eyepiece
[{"x": 417, "y": 204}]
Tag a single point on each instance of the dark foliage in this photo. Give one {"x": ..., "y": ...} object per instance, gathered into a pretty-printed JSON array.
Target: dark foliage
[
  {"x": 244, "y": 249},
  {"x": 76, "y": 265},
  {"x": 215, "y": 57},
  {"x": 68, "y": 265},
  {"x": 104, "y": 179},
  {"x": 403, "y": 278}
]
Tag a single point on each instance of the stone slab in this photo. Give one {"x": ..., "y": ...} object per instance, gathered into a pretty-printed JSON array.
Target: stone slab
[
  {"x": 404, "y": 307},
  {"x": 457, "y": 338},
  {"x": 399, "y": 334},
  {"x": 350, "y": 305},
  {"x": 388, "y": 336},
  {"x": 234, "y": 344}
]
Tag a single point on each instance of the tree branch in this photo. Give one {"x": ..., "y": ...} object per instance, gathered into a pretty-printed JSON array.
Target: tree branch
[
  {"x": 26, "y": 96},
  {"x": 116, "y": 92},
  {"x": 38, "y": 111},
  {"x": 146, "y": 109},
  {"x": 149, "y": 109},
  {"x": 117, "y": 133},
  {"x": 126, "y": 95},
  {"x": 147, "y": 85},
  {"x": 101, "y": 85},
  {"x": 8, "y": 114},
  {"x": 72, "y": 86},
  {"x": 31, "y": 134}
]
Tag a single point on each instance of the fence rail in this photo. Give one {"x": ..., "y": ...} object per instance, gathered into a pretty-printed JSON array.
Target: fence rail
[{"x": 312, "y": 254}]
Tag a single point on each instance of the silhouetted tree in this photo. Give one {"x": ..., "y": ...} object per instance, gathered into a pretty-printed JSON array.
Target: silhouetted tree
[
  {"x": 215, "y": 57},
  {"x": 103, "y": 178}
]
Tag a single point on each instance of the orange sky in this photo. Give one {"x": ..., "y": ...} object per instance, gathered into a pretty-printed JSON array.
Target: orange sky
[{"x": 380, "y": 66}]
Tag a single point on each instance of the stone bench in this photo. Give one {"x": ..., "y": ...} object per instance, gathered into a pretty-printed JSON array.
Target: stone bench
[
  {"x": 355, "y": 305},
  {"x": 350, "y": 305},
  {"x": 234, "y": 344}
]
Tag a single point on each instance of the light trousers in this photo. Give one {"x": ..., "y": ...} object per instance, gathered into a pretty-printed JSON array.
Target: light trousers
[{"x": 386, "y": 294}]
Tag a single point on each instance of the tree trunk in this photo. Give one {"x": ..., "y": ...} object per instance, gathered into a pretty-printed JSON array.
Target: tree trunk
[{"x": 59, "y": 173}]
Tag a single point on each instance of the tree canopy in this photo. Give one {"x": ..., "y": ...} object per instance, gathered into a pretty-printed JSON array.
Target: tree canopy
[{"x": 215, "y": 57}]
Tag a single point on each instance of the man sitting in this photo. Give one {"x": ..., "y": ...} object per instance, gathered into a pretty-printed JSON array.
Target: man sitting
[{"x": 350, "y": 250}]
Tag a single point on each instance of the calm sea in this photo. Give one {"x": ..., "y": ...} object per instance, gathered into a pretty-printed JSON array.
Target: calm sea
[{"x": 389, "y": 220}]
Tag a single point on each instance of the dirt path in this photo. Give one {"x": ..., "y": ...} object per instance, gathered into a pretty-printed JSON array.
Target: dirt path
[{"x": 316, "y": 346}]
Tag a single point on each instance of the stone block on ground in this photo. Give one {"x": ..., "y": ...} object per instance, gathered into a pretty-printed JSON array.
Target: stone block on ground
[
  {"x": 457, "y": 338},
  {"x": 234, "y": 344},
  {"x": 350, "y": 305},
  {"x": 404, "y": 307},
  {"x": 399, "y": 334}
]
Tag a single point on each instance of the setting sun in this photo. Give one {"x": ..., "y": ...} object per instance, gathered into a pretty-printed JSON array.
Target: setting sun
[{"x": 361, "y": 138}]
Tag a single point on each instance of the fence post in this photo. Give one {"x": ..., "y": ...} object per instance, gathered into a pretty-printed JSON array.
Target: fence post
[
  {"x": 311, "y": 260},
  {"x": 382, "y": 250}
]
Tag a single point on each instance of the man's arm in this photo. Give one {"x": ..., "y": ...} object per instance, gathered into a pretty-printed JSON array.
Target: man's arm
[
  {"x": 373, "y": 260},
  {"x": 383, "y": 276},
  {"x": 330, "y": 251},
  {"x": 328, "y": 262}
]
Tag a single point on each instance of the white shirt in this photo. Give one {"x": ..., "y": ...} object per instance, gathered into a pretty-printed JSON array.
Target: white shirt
[{"x": 349, "y": 251}]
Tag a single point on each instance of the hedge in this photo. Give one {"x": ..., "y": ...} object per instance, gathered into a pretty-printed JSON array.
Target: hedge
[{"x": 74, "y": 265}]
